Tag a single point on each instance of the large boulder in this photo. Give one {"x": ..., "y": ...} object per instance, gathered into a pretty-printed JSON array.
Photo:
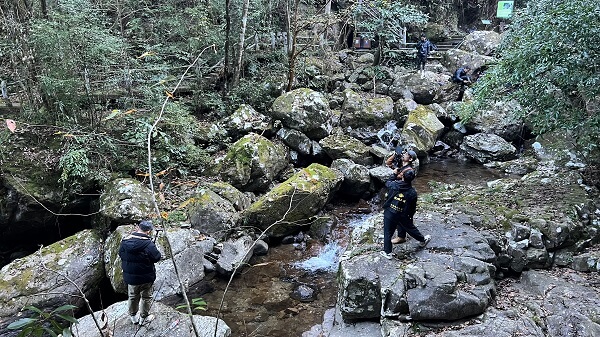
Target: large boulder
[
  {"x": 450, "y": 280},
  {"x": 245, "y": 120},
  {"x": 499, "y": 119},
  {"x": 188, "y": 247},
  {"x": 422, "y": 129},
  {"x": 252, "y": 163},
  {"x": 360, "y": 112},
  {"x": 486, "y": 147},
  {"x": 357, "y": 180},
  {"x": 239, "y": 200},
  {"x": 424, "y": 91},
  {"x": 456, "y": 58},
  {"x": 304, "y": 110},
  {"x": 341, "y": 146},
  {"x": 482, "y": 42},
  {"x": 126, "y": 200},
  {"x": 211, "y": 214},
  {"x": 167, "y": 322},
  {"x": 294, "y": 201},
  {"x": 53, "y": 276}
]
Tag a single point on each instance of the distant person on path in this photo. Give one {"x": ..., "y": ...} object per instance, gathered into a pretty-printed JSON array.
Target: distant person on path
[
  {"x": 461, "y": 76},
  {"x": 399, "y": 208},
  {"x": 138, "y": 255},
  {"x": 424, "y": 47}
]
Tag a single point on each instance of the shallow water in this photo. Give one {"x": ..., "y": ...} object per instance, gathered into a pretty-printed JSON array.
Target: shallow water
[{"x": 257, "y": 302}]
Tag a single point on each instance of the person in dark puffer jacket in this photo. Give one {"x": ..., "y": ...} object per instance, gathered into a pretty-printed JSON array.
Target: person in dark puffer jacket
[
  {"x": 138, "y": 255},
  {"x": 399, "y": 208}
]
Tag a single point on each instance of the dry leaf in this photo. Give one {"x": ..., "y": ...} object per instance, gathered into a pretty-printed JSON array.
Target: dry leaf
[{"x": 12, "y": 125}]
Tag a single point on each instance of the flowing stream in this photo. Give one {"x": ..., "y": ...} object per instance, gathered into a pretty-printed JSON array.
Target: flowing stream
[{"x": 259, "y": 301}]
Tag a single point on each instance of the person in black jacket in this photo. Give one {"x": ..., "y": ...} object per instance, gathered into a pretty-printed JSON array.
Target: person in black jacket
[
  {"x": 424, "y": 47},
  {"x": 138, "y": 255},
  {"x": 399, "y": 208}
]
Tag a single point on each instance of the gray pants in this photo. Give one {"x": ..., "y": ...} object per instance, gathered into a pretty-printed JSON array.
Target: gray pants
[{"x": 135, "y": 293}]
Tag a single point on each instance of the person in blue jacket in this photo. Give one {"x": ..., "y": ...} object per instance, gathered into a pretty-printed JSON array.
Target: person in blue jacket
[
  {"x": 461, "y": 76},
  {"x": 424, "y": 47},
  {"x": 138, "y": 255},
  {"x": 399, "y": 208}
]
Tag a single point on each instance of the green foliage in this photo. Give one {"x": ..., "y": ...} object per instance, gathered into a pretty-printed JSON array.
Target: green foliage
[
  {"x": 198, "y": 304},
  {"x": 72, "y": 49},
  {"x": 74, "y": 165},
  {"x": 387, "y": 17},
  {"x": 549, "y": 62},
  {"x": 45, "y": 323}
]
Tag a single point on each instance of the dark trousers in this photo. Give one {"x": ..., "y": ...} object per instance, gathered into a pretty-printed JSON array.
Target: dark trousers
[
  {"x": 393, "y": 221},
  {"x": 421, "y": 59},
  {"x": 411, "y": 229}
]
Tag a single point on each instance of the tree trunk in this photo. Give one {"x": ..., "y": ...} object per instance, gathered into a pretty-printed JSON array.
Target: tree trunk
[
  {"x": 240, "y": 61},
  {"x": 292, "y": 34},
  {"x": 227, "y": 43}
]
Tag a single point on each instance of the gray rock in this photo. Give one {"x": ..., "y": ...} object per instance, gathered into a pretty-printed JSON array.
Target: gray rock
[
  {"x": 211, "y": 214},
  {"x": 167, "y": 322},
  {"x": 126, "y": 200},
  {"x": 234, "y": 254},
  {"x": 356, "y": 178},
  {"x": 40, "y": 279},
  {"x": 483, "y": 148},
  {"x": 304, "y": 110}
]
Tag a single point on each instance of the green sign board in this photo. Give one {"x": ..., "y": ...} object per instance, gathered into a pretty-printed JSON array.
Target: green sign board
[{"x": 505, "y": 9}]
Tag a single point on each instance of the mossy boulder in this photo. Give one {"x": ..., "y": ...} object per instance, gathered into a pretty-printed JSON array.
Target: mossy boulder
[
  {"x": 246, "y": 120},
  {"x": 238, "y": 199},
  {"x": 211, "y": 214},
  {"x": 126, "y": 200},
  {"x": 422, "y": 129},
  {"x": 294, "y": 201},
  {"x": 252, "y": 163},
  {"x": 341, "y": 146},
  {"x": 53, "y": 276},
  {"x": 360, "y": 112},
  {"x": 304, "y": 110}
]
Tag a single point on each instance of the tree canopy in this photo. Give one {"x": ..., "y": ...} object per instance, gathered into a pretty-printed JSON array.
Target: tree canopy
[{"x": 549, "y": 61}]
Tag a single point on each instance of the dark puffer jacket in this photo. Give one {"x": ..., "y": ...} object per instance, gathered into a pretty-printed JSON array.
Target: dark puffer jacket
[
  {"x": 396, "y": 186},
  {"x": 138, "y": 256}
]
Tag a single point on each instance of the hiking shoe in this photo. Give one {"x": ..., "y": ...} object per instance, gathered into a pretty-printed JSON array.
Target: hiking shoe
[
  {"x": 398, "y": 240},
  {"x": 146, "y": 320},
  {"x": 388, "y": 256},
  {"x": 424, "y": 243},
  {"x": 134, "y": 319}
]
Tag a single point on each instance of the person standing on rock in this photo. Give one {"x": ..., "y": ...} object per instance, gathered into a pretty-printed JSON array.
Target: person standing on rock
[
  {"x": 406, "y": 161},
  {"x": 400, "y": 207},
  {"x": 424, "y": 47},
  {"x": 138, "y": 255}
]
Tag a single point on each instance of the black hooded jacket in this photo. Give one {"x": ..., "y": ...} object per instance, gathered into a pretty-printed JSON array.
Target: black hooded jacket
[
  {"x": 138, "y": 255},
  {"x": 396, "y": 187}
]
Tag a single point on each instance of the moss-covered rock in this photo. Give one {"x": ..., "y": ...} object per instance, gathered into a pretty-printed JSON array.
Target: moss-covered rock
[
  {"x": 422, "y": 129},
  {"x": 252, "y": 163},
  {"x": 294, "y": 201},
  {"x": 359, "y": 112},
  {"x": 211, "y": 214},
  {"x": 51, "y": 277},
  {"x": 341, "y": 146},
  {"x": 304, "y": 110},
  {"x": 126, "y": 200}
]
